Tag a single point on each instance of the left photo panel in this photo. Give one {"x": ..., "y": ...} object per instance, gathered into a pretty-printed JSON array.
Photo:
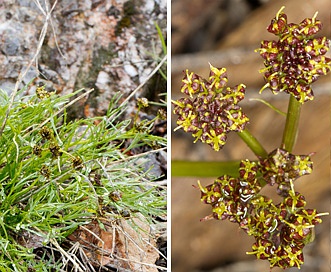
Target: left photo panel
[{"x": 83, "y": 132}]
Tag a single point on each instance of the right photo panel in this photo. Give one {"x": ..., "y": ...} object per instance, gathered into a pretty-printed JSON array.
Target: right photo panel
[{"x": 250, "y": 143}]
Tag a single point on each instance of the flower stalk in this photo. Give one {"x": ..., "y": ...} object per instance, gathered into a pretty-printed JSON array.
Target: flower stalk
[
  {"x": 204, "y": 168},
  {"x": 292, "y": 123},
  {"x": 252, "y": 143}
]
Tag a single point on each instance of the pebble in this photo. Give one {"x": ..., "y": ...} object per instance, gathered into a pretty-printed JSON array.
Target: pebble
[
  {"x": 149, "y": 6},
  {"x": 131, "y": 70},
  {"x": 102, "y": 80}
]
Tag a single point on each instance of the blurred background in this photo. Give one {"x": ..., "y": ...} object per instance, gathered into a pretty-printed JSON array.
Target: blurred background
[{"x": 225, "y": 33}]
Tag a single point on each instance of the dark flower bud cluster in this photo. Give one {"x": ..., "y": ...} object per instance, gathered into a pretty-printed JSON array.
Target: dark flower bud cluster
[
  {"x": 284, "y": 168},
  {"x": 48, "y": 145},
  {"x": 211, "y": 110},
  {"x": 280, "y": 230},
  {"x": 297, "y": 59}
]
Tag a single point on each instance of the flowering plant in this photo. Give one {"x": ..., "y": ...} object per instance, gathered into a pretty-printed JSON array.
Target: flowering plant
[{"x": 211, "y": 111}]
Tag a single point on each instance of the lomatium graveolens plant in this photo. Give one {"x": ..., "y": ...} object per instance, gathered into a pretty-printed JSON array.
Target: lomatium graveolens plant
[
  {"x": 211, "y": 111},
  {"x": 58, "y": 176}
]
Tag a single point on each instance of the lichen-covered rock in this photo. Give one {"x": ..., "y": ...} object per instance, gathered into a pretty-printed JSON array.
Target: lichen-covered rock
[{"x": 89, "y": 44}]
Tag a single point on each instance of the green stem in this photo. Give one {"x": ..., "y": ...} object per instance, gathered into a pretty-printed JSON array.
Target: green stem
[
  {"x": 253, "y": 143},
  {"x": 204, "y": 168},
  {"x": 292, "y": 124}
]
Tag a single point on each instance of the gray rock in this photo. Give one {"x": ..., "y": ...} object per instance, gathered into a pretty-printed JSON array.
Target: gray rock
[{"x": 86, "y": 46}]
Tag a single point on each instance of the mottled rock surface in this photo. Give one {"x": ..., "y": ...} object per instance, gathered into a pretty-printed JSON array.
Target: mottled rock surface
[{"x": 111, "y": 46}]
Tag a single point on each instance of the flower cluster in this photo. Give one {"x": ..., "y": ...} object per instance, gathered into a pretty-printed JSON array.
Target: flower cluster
[
  {"x": 211, "y": 110},
  {"x": 281, "y": 231},
  {"x": 297, "y": 59},
  {"x": 283, "y": 168},
  {"x": 42, "y": 93}
]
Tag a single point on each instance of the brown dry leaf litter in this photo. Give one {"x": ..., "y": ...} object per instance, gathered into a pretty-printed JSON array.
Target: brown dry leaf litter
[{"x": 118, "y": 244}]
